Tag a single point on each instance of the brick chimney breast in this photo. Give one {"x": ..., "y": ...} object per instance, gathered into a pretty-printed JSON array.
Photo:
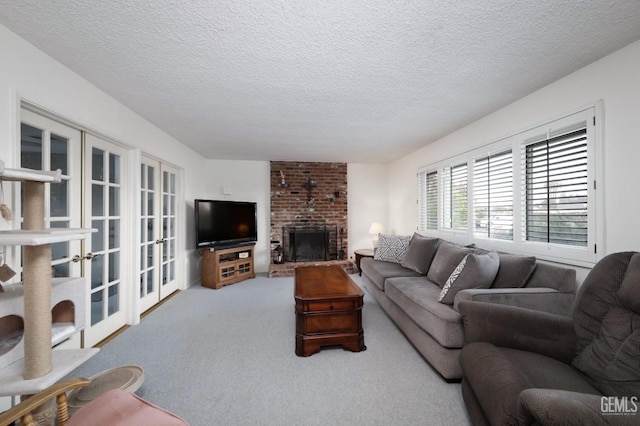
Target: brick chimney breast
[{"x": 309, "y": 194}]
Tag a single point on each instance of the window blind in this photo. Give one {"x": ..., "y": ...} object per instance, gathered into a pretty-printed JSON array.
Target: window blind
[
  {"x": 557, "y": 188},
  {"x": 422, "y": 201},
  {"x": 454, "y": 197},
  {"x": 493, "y": 196},
  {"x": 428, "y": 200}
]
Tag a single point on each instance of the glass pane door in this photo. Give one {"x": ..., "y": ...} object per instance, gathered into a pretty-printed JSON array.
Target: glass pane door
[
  {"x": 104, "y": 178},
  {"x": 46, "y": 144},
  {"x": 169, "y": 238},
  {"x": 149, "y": 237}
]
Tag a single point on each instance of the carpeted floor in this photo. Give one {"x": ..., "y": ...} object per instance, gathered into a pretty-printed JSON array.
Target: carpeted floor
[{"x": 226, "y": 357}]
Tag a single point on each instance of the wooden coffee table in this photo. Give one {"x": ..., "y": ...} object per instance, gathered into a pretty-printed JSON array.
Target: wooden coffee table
[{"x": 328, "y": 310}]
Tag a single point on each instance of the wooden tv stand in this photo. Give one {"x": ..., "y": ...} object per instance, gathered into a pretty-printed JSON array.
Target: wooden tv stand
[{"x": 225, "y": 266}]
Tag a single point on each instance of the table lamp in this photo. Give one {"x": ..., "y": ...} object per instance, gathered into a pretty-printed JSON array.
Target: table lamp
[{"x": 376, "y": 229}]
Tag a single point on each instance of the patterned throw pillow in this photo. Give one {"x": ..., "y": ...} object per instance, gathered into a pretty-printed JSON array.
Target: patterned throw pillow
[
  {"x": 452, "y": 278},
  {"x": 475, "y": 270},
  {"x": 392, "y": 248}
]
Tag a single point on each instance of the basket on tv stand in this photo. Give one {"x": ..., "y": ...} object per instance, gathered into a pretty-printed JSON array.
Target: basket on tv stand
[{"x": 227, "y": 265}]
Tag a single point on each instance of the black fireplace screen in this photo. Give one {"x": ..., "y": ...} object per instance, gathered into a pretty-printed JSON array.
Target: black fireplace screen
[{"x": 309, "y": 243}]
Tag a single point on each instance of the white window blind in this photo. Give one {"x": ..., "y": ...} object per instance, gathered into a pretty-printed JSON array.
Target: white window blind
[
  {"x": 493, "y": 196},
  {"x": 557, "y": 188},
  {"x": 532, "y": 192},
  {"x": 454, "y": 197},
  {"x": 428, "y": 200}
]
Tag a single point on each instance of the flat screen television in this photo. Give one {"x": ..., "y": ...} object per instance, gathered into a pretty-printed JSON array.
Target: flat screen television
[{"x": 225, "y": 223}]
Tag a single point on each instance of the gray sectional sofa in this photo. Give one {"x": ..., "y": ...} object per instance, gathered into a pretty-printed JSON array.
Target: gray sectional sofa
[{"x": 419, "y": 282}]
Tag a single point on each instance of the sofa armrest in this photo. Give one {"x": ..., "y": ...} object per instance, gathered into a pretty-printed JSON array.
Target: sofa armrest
[
  {"x": 560, "y": 407},
  {"x": 519, "y": 328},
  {"x": 538, "y": 298}
]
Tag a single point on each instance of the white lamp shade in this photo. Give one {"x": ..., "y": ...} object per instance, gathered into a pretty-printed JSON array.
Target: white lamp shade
[{"x": 376, "y": 228}]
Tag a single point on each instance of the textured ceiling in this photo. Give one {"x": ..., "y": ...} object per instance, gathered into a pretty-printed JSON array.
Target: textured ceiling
[{"x": 335, "y": 80}]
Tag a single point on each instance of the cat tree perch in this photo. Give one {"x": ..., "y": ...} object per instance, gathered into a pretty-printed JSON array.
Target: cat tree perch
[{"x": 41, "y": 366}]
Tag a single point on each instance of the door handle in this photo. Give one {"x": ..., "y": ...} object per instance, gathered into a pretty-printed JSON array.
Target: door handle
[{"x": 89, "y": 256}]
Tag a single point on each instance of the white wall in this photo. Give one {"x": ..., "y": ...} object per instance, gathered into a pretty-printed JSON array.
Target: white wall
[
  {"x": 367, "y": 202},
  {"x": 28, "y": 74},
  {"x": 616, "y": 81},
  {"x": 248, "y": 181}
]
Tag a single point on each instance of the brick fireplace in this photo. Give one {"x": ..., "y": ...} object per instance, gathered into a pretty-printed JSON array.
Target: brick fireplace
[{"x": 309, "y": 215}]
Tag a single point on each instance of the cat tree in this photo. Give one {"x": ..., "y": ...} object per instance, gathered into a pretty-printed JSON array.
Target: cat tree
[{"x": 30, "y": 364}]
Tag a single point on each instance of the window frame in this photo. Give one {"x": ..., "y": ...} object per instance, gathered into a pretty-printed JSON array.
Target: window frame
[
  {"x": 447, "y": 196},
  {"x": 560, "y": 252},
  {"x": 575, "y": 255},
  {"x": 500, "y": 150},
  {"x": 424, "y": 218}
]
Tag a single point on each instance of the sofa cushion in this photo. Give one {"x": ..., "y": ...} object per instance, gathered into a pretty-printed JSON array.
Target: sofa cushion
[
  {"x": 557, "y": 407},
  {"x": 497, "y": 376},
  {"x": 378, "y": 271},
  {"x": 475, "y": 270},
  {"x": 514, "y": 270},
  {"x": 629, "y": 293},
  {"x": 611, "y": 361},
  {"x": 607, "y": 323},
  {"x": 598, "y": 292},
  {"x": 420, "y": 253},
  {"x": 418, "y": 298},
  {"x": 445, "y": 261},
  {"x": 391, "y": 248}
]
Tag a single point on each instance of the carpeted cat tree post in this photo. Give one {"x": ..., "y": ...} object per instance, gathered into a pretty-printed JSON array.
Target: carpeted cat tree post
[
  {"x": 37, "y": 297},
  {"x": 37, "y": 288}
]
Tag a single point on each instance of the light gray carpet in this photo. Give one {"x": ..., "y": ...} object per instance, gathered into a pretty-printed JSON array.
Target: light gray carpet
[{"x": 226, "y": 357}]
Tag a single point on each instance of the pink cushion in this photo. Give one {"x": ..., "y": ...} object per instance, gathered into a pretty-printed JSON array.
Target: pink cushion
[{"x": 118, "y": 407}]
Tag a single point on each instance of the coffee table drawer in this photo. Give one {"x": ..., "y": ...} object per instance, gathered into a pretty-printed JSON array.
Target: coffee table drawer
[
  {"x": 330, "y": 323},
  {"x": 337, "y": 305}
]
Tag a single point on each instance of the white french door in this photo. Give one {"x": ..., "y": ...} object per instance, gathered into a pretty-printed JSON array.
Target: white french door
[
  {"x": 46, "y": 144},
  {"x": 157, "y": 237},
  {"x": 149, "y": 241},
  {"x": 105, "y": 210},
  {"x": 168, "y": 272},
  {"x": 95, "y": 193}
]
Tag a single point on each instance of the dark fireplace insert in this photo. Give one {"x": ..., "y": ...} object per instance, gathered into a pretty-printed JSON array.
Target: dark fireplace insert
[{"x": 310, "y": 243}]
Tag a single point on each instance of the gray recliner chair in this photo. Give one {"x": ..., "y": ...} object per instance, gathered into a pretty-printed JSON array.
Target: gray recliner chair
[{"x": 526, "y": 367}]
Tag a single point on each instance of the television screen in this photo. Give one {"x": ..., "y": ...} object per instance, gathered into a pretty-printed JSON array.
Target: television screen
[{"x": 225, "y": 222}]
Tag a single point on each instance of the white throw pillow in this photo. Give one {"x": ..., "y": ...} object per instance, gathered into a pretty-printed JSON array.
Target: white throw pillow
[{"x": 392, "y": 248}]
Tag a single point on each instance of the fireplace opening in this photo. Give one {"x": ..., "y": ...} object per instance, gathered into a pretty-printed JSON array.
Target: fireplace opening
[{"x": 309, "y": 243}]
